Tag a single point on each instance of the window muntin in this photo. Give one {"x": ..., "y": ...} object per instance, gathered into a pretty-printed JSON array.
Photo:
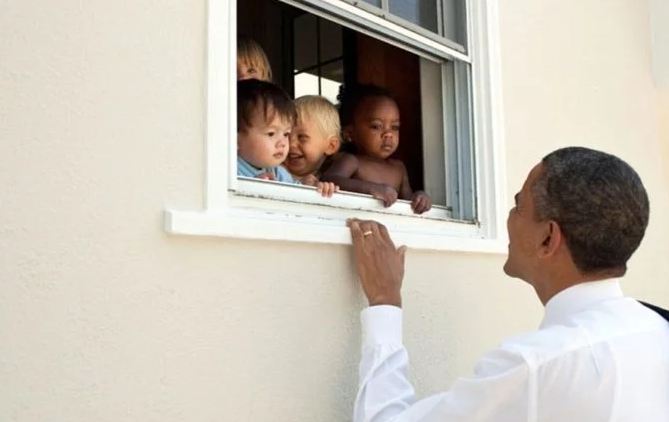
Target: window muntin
[
  {"x": 444, "y": 19},
  {"x": 318, "y": 62}
]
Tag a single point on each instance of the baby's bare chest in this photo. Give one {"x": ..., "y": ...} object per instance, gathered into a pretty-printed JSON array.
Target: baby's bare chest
[{"x": 380, "y": 172}]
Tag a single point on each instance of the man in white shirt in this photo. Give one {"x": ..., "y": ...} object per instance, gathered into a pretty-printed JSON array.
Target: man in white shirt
[{"x": 597, "y": 355}]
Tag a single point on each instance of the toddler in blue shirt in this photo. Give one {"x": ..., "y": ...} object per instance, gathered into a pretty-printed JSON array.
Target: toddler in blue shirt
[{"x": 265, "y": 118}]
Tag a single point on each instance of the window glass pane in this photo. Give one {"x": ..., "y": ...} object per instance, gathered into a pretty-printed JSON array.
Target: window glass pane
[
  {"x": 332, "y": 76},
  {"x": 376, "y": 3},
  {"x": 306, "y": 84},
  {"x": 420, "y": 12},
  {"x": 455, "y": 21},
  {"x": 462, "y": 156},
  {"x": 304, "y": 43},
  {"x": 331, "y": 40},
  {"x": 435, "y": 130}
]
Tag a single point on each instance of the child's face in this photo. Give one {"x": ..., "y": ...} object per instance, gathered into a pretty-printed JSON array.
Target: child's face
[
  {"x": 308, "y": 148},
  {"x": 247, "y": 70},
  {"x": 376, "y": 127},
  {"x": 264, "y": 144}
]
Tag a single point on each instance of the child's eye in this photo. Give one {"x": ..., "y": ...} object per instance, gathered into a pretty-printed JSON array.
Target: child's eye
[
  {"x": 271, "y": 134},
  {"x": 287, "y": 134},
  {"x": 376, "y": 127},
  {"x": 396, "y": 127},
  {"x": 251, "y": 70}
]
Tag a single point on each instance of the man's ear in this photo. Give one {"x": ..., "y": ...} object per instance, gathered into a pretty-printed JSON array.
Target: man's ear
[
  {"x": 333, "y": 145},
  {"x": 552, "y": 240}
]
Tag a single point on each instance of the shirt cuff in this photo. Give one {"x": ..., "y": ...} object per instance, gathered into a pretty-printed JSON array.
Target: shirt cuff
[{"x": 381, "y": 324}]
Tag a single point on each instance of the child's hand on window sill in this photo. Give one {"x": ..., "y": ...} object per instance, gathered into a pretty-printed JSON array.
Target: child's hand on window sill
[
  {"x": 385, "y": 193},
  {"x": 327, "y": 189},
  {"x": 266, "y": 176},
  {"x": 420, "y": 202}
]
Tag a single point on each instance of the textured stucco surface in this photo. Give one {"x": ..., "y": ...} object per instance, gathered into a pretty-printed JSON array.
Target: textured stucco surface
[{"x": 105, "y": 317}]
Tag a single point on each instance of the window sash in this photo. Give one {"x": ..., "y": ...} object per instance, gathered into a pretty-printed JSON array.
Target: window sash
[
  {"x": 385, "y": 13},
  {"x": 416, "y": 40},
  {"x": 457, "y": 181},
  {"x": 455, "y": 171},
  {"x": 227, "y": 214}
]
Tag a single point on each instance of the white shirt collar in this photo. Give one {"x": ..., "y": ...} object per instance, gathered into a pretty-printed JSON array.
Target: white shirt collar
[{"x": 579, "y": 297}]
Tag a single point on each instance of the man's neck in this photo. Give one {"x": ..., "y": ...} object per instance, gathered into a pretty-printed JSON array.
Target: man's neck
[{"x": 554, "y": 284}]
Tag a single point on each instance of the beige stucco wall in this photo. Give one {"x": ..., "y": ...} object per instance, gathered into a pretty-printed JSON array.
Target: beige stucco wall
[
  {"x": 659, "y": 19},
  {"x": 105, "y": 317}
]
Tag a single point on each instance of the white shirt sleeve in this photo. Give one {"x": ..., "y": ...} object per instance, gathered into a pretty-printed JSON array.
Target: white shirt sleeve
[{"x": 501, "y": 389}]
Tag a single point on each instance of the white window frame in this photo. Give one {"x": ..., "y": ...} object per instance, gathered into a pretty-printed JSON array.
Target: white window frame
[{"x": 272, "y": 211}]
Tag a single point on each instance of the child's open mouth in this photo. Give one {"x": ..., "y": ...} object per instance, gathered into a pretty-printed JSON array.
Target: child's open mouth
[{"x": 295, "y": 157}]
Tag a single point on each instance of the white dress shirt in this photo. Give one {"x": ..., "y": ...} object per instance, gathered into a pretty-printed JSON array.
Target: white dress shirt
[{"x": 597, "y": 356}]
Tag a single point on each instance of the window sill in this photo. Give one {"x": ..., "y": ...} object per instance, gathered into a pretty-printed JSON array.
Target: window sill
[
  {"x": 284, "y": 216},
  {"x": 306, "y": 195}
]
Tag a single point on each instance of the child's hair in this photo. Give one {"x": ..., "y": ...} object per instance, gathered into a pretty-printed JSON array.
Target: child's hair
[
  {"x": 253, "y": 94},
  {"x": 320, "y": 110},
  {"x": 251, "y": 54},
  {"x": 351, "y": 96}
]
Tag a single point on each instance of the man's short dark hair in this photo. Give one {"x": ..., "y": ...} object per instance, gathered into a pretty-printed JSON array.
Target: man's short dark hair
[
  {"x": 599, "y": 203},
  {"x": 252, "y": 94}
]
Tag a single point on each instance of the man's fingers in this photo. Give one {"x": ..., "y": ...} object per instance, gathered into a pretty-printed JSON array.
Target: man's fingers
[
  {"x": 367, "y": 230},
  {"x": 354, "y": 225},
  {"x": 402, "y": 250},
  {"x": 373, "y": 226},
  {"x": 362, "y": 229},
  {"x": 384, "y": 234}
]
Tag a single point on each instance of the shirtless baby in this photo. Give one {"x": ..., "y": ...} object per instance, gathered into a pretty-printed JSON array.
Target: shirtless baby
[{"x": 371, "y": 121}]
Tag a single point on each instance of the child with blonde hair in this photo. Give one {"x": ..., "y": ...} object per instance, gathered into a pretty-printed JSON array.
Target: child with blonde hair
[
  {"x": 252, "y": 62},
  {"x": 314, "y": 138}
]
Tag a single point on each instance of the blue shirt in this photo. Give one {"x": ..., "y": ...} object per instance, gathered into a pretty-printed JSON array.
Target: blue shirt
[{"x": 244, "y": 168}]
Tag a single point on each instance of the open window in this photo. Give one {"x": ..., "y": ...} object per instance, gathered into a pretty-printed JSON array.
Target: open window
[
  {"x": 316, "y": 52},
  {"x": 435, "y": 57}
]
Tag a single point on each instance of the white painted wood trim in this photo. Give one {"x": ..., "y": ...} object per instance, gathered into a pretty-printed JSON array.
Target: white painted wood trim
[
  {"x": 221, "y": 89},
  {"x": 303, "y": 195},
  {"x": 488, "y": 118},
  {"x": 228, "y": 214},
  {"x": 390, "y": 30},
  {"x": 259, "y": 225}
]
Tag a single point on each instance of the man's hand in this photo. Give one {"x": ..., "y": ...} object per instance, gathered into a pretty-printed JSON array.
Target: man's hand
[{"x": 380, "y": 265}]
